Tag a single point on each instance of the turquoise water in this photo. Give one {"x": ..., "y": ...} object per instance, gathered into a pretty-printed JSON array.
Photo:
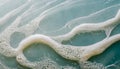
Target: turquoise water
[{"x": 53, "y": 18}]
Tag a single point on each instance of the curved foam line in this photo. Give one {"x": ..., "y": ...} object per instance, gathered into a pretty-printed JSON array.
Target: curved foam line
[
  {"x": 34, "y": 24},
  {"x": 5, "y": 37},
  {"x": 99, "y": 47},
  {"x": 81, "y": 53},
  {"x": 13, "y": 13},
  {"x": 69, "y": 52},
  {"x": 37, "y": 20},
  {"x": 29, "y": 11},
  {"x": 73, "y": 21},
  {"x": 21, "y": 59},
  {"x": 88, "y": 27},
  {"x": 98, "y": 12},
  {"x": 47, "y": 11},
  {"x": 60, "y": 49},
  {"x": 38, "y": 38}
]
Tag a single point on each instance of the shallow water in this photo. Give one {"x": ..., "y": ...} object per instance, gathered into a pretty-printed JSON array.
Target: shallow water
[{"x": 59, "y": 34}]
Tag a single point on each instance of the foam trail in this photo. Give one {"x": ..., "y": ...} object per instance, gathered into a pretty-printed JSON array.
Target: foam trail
[
  {"x": 33, "y": 7},
  {"x": 13, "y": 13},
  {"x": 81, "y": 53},
  {"x": 88, "y": 27},
  {"x": 116, "y": 65},
  {"x": 5, "y": 37},
  {"x": 23, "y": 61},
  {"x": 45, "y": 63},
  {"x": 74, "y": 21},
  {"x": 77, "y": 21},
  {"x": 34, "y": 24},
  {"x": 29, "y": 11},
  {"x": 12, "y": 28},
  {"x": 50, "y": 10},
  {"x": 76, "y": 53},
  {"x": 37, "y": 38},
  {"x": 100, "y": 47}
]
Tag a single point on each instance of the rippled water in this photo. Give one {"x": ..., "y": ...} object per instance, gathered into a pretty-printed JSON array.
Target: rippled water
[{"x": 59, "y": 34}]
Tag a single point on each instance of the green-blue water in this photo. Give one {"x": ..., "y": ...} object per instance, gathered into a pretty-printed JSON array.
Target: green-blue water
[{"x": 58, "y": 13}]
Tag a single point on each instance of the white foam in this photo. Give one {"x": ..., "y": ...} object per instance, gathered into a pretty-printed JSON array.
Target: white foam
[
  {"x": 70, "y": 52},
  {"x": 72, "y": 23},
  {"x": 13, "y": 13},
  {"x": 81, "y": 53},
  {"x": 77, "y": 53},
  {"x": 88, "y": 27}
]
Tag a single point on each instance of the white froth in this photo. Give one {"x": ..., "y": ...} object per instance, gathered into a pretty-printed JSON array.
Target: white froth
[
  {"x": 72, "y": 52},
  {"x": 88, "y": 27},
  {"x": 77, "y": 53}
]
